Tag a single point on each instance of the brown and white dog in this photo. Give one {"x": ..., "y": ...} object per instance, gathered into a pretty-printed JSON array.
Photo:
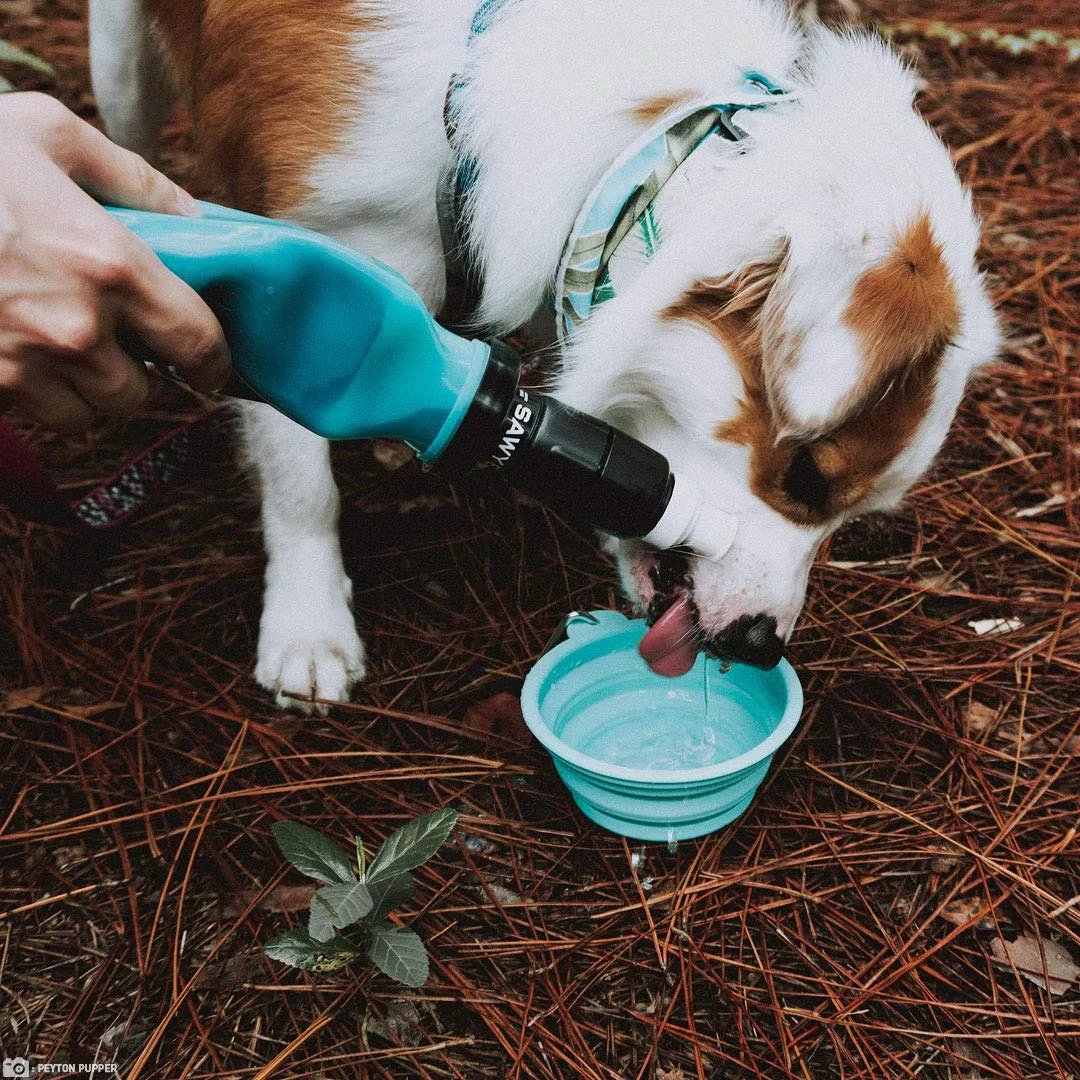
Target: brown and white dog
[{"x": 800, "y": 343}]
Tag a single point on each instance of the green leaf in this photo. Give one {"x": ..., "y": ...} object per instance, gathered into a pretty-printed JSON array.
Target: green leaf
[
  {"x": 321, "y": 920},
  {"x": 347, "y": 903},
  {"x": 389, "y": 893},
  {"x": 6, "y": 85},
  {"x": 312, "y": 853},
  {"x": 300, "y": 949},
  {"x": 361, "y": 858},
  {"x": 296, "y": 947},
  {"x": 411, "y": 845},
  {"x": 398, "y": 952},
  {"x": 12, "y": 54}
]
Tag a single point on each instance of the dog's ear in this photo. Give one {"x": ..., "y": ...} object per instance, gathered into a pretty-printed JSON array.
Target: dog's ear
[
  {"x": 739, "y": 298},
  {"x": 828, "y": 351},
  {"x": 732, "y": 307},
  {"x": 749, "y": 288},
  {"x": 756, "y": 301}
]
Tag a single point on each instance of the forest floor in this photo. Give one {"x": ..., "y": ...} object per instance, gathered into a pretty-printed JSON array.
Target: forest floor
[{"x": 913, "y": 848}]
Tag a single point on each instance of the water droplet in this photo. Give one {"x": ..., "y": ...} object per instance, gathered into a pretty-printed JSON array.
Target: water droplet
[{"x": 672, "y": 843}]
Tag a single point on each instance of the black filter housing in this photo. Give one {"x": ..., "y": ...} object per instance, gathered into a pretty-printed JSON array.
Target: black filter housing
[{"x": 583, "y": 468}]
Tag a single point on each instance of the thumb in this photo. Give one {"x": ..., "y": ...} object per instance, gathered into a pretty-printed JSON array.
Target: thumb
[{"x": 117, "y": 176}]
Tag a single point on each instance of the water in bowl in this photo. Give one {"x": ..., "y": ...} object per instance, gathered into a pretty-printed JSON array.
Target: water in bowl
[{"x": 691, "y": 725}]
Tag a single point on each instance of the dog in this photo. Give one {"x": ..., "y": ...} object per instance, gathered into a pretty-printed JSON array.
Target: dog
[{"x": 799, "y": 342}]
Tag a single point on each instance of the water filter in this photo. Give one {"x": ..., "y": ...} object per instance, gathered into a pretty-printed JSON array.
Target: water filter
[{"x": 345, "y": 347}]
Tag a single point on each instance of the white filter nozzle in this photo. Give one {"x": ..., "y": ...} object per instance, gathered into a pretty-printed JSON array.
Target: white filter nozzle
[{"x": 688, "y": 521}]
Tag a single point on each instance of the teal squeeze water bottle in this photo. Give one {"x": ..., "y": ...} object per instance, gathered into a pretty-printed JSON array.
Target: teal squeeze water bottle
[{"x": 343, "y": 345}]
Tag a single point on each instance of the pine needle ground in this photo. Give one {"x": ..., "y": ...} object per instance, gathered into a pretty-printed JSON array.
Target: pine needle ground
[{"x": 853, "y": 924}]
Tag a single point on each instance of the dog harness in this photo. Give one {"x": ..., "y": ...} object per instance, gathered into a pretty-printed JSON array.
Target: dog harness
[{"x": 618, "y": 230}]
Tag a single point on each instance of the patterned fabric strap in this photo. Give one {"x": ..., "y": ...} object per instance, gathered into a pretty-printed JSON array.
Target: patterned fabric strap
[
  {"x": 28, "y": 489},
  {"x": 620, "y": 216},
  {"x": 486, "y": 14},
  {"x": 133, "y": 488},
  {"x": 457, "y": 180}
]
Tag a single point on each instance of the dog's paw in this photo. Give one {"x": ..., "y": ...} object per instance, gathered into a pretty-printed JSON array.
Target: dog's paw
[{"x": 309, "y": 654}]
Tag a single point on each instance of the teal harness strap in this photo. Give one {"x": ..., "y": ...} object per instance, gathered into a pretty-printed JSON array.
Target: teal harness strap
[
  {"x": 620, "y": 209},
  {"x": 463, "y": 286},
  {"x": 620, "y": 221}
]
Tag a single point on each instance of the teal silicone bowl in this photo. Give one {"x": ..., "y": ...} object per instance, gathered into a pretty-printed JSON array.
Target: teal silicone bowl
[{"x": 638, "y": 751}]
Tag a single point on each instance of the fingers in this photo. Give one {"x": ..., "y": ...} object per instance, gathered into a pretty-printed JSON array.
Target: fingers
[
  {"x": 152, "y": 305},
  {"x": 72, "y": 276},
  {"x": 116, "y": 281},
  {"x": 117, "y": 176},
  {"x": 173, "y": 322},
  {"x": 65, "y": 392},
  {"x": 46, "y": 398},
  {"x": 107, "y": 171},
  {"x": 109, "y": 381}
]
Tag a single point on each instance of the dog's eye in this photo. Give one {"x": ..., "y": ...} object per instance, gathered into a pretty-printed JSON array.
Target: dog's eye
[{"x": 804, "y": 482}]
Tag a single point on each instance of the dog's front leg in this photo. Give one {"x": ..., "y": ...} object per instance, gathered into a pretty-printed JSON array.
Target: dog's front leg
[{"x": 308, "y": 645}]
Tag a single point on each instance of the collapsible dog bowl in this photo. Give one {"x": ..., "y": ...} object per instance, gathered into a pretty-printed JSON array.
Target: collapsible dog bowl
[{"x": 649, "y": 757}]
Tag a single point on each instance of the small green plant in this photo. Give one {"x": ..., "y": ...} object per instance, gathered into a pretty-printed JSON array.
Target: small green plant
[
  {"x": 12, "y": 54},
  {"x": 361, "y": 896}
]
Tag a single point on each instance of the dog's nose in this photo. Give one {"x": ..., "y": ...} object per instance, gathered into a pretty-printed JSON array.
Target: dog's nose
[{"x": 751, "y": 639}]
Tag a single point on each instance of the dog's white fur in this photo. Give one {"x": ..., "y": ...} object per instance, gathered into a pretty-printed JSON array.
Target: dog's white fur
[{"x": 833, "y": 178}]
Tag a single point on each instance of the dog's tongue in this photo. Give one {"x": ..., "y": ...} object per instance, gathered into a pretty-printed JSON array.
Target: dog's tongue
[{"x": 668, "y": 646}]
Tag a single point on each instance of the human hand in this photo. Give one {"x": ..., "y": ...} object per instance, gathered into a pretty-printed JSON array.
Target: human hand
[{"x": 71, "y": 276}]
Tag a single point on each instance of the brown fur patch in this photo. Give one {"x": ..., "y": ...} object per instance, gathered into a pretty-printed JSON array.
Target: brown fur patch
[
  {"x": 851, "y": 457},
  {"x": 178, "y": 24},
  {"x": 271, "y": 85},
  {"x": 720, "y": 307},
  {"x": 905, "y": 307},
  {"x": 652, "y": 109}
]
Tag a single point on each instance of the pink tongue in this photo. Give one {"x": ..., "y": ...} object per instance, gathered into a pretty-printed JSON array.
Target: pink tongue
[{"x": 668, "y": 647}]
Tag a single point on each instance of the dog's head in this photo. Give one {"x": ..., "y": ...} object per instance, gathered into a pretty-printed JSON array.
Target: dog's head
[{"x": 800, "y": 344}]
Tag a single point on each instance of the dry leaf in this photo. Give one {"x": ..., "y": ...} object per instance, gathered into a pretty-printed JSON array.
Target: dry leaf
[
  {"x": 497, "y": 715},
  {"x": 963, "y": 910},
  {"x": 283, "y": 898},
  {"x": 19, "y": 699},
  {"x": 392, "y": 455},
  {"x": 285, "y": 726},
  {"x": 233, "y": 969},
  {"x": 67, "y": 858},
  {"x": 995, "y": 627},
  {"x": 1026, "y": 956},
  {"x": 942, "y": 864},
  {"x": 978, "y": 718},
  {"x": 946, "y": 858},
  {"x": 501, "y": 894},
  {"x": 945, "y": 580},
  {"x": 968, "y": 1053},
  {"x": 85, "y": 712},
  {"x": 402, "y": 1024},
  {"x": 670, "y": 1074},
  {"x": 289, "y": 898}
]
